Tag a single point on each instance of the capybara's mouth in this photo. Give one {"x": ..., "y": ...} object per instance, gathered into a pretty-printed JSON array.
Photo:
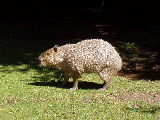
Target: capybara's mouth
[{"x": 42, "y": 63}]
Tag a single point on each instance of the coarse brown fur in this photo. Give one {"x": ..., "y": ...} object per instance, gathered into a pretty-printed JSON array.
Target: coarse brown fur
[{"x": 88, "y": 56}]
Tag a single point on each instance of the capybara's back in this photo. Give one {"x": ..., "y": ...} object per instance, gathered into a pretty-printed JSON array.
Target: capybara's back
[
  {"x": 92, "y": 56},
  {"x": 88, "y": 56}
]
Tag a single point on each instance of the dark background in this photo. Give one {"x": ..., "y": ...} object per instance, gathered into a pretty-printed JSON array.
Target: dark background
[
  {"x": 77, "y": 13},
  {"x": 60, "y": 22},
  {"x": 135, "y": 8}
]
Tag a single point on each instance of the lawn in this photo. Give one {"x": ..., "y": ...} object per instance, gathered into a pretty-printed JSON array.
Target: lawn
[
  {"x": 29, "y": 92},
  {"x": 25, "y": 96}
]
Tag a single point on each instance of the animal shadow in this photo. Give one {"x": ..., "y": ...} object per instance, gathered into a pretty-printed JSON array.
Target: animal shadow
[{"x": 82, "y": 84}]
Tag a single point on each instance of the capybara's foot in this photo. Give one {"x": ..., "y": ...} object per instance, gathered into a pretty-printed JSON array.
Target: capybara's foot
[
  {"x": 72, "y": 89},
  {"x": 101, "y": 89}
]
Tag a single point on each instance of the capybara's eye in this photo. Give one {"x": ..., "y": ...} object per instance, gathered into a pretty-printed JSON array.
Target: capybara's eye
[{"x": 48, "y": 53}]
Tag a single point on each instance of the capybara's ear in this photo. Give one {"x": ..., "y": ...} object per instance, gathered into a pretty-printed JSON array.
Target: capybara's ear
[{"x": 55, "y": 48}]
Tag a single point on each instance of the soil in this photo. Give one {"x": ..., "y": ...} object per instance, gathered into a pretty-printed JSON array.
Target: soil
[{"x": 142, "y": 96}]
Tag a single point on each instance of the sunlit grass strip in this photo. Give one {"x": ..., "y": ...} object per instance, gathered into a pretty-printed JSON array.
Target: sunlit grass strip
[{"x": 22, "y": 100}]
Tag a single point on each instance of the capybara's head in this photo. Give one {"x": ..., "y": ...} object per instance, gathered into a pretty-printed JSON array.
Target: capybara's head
[{"x": 51, "y": 57}]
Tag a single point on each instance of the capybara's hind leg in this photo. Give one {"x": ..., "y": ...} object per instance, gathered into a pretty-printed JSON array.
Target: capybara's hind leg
[{"x": 105, "y": 75}]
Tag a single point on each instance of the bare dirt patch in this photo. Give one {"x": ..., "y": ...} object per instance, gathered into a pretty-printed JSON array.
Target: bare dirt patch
[{"x": 141, "y": 96}]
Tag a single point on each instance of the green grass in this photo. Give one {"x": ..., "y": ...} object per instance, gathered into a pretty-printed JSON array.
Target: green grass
[
  {"x": 25, "y": 96},
  {"x": 29, "y": 92}
]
